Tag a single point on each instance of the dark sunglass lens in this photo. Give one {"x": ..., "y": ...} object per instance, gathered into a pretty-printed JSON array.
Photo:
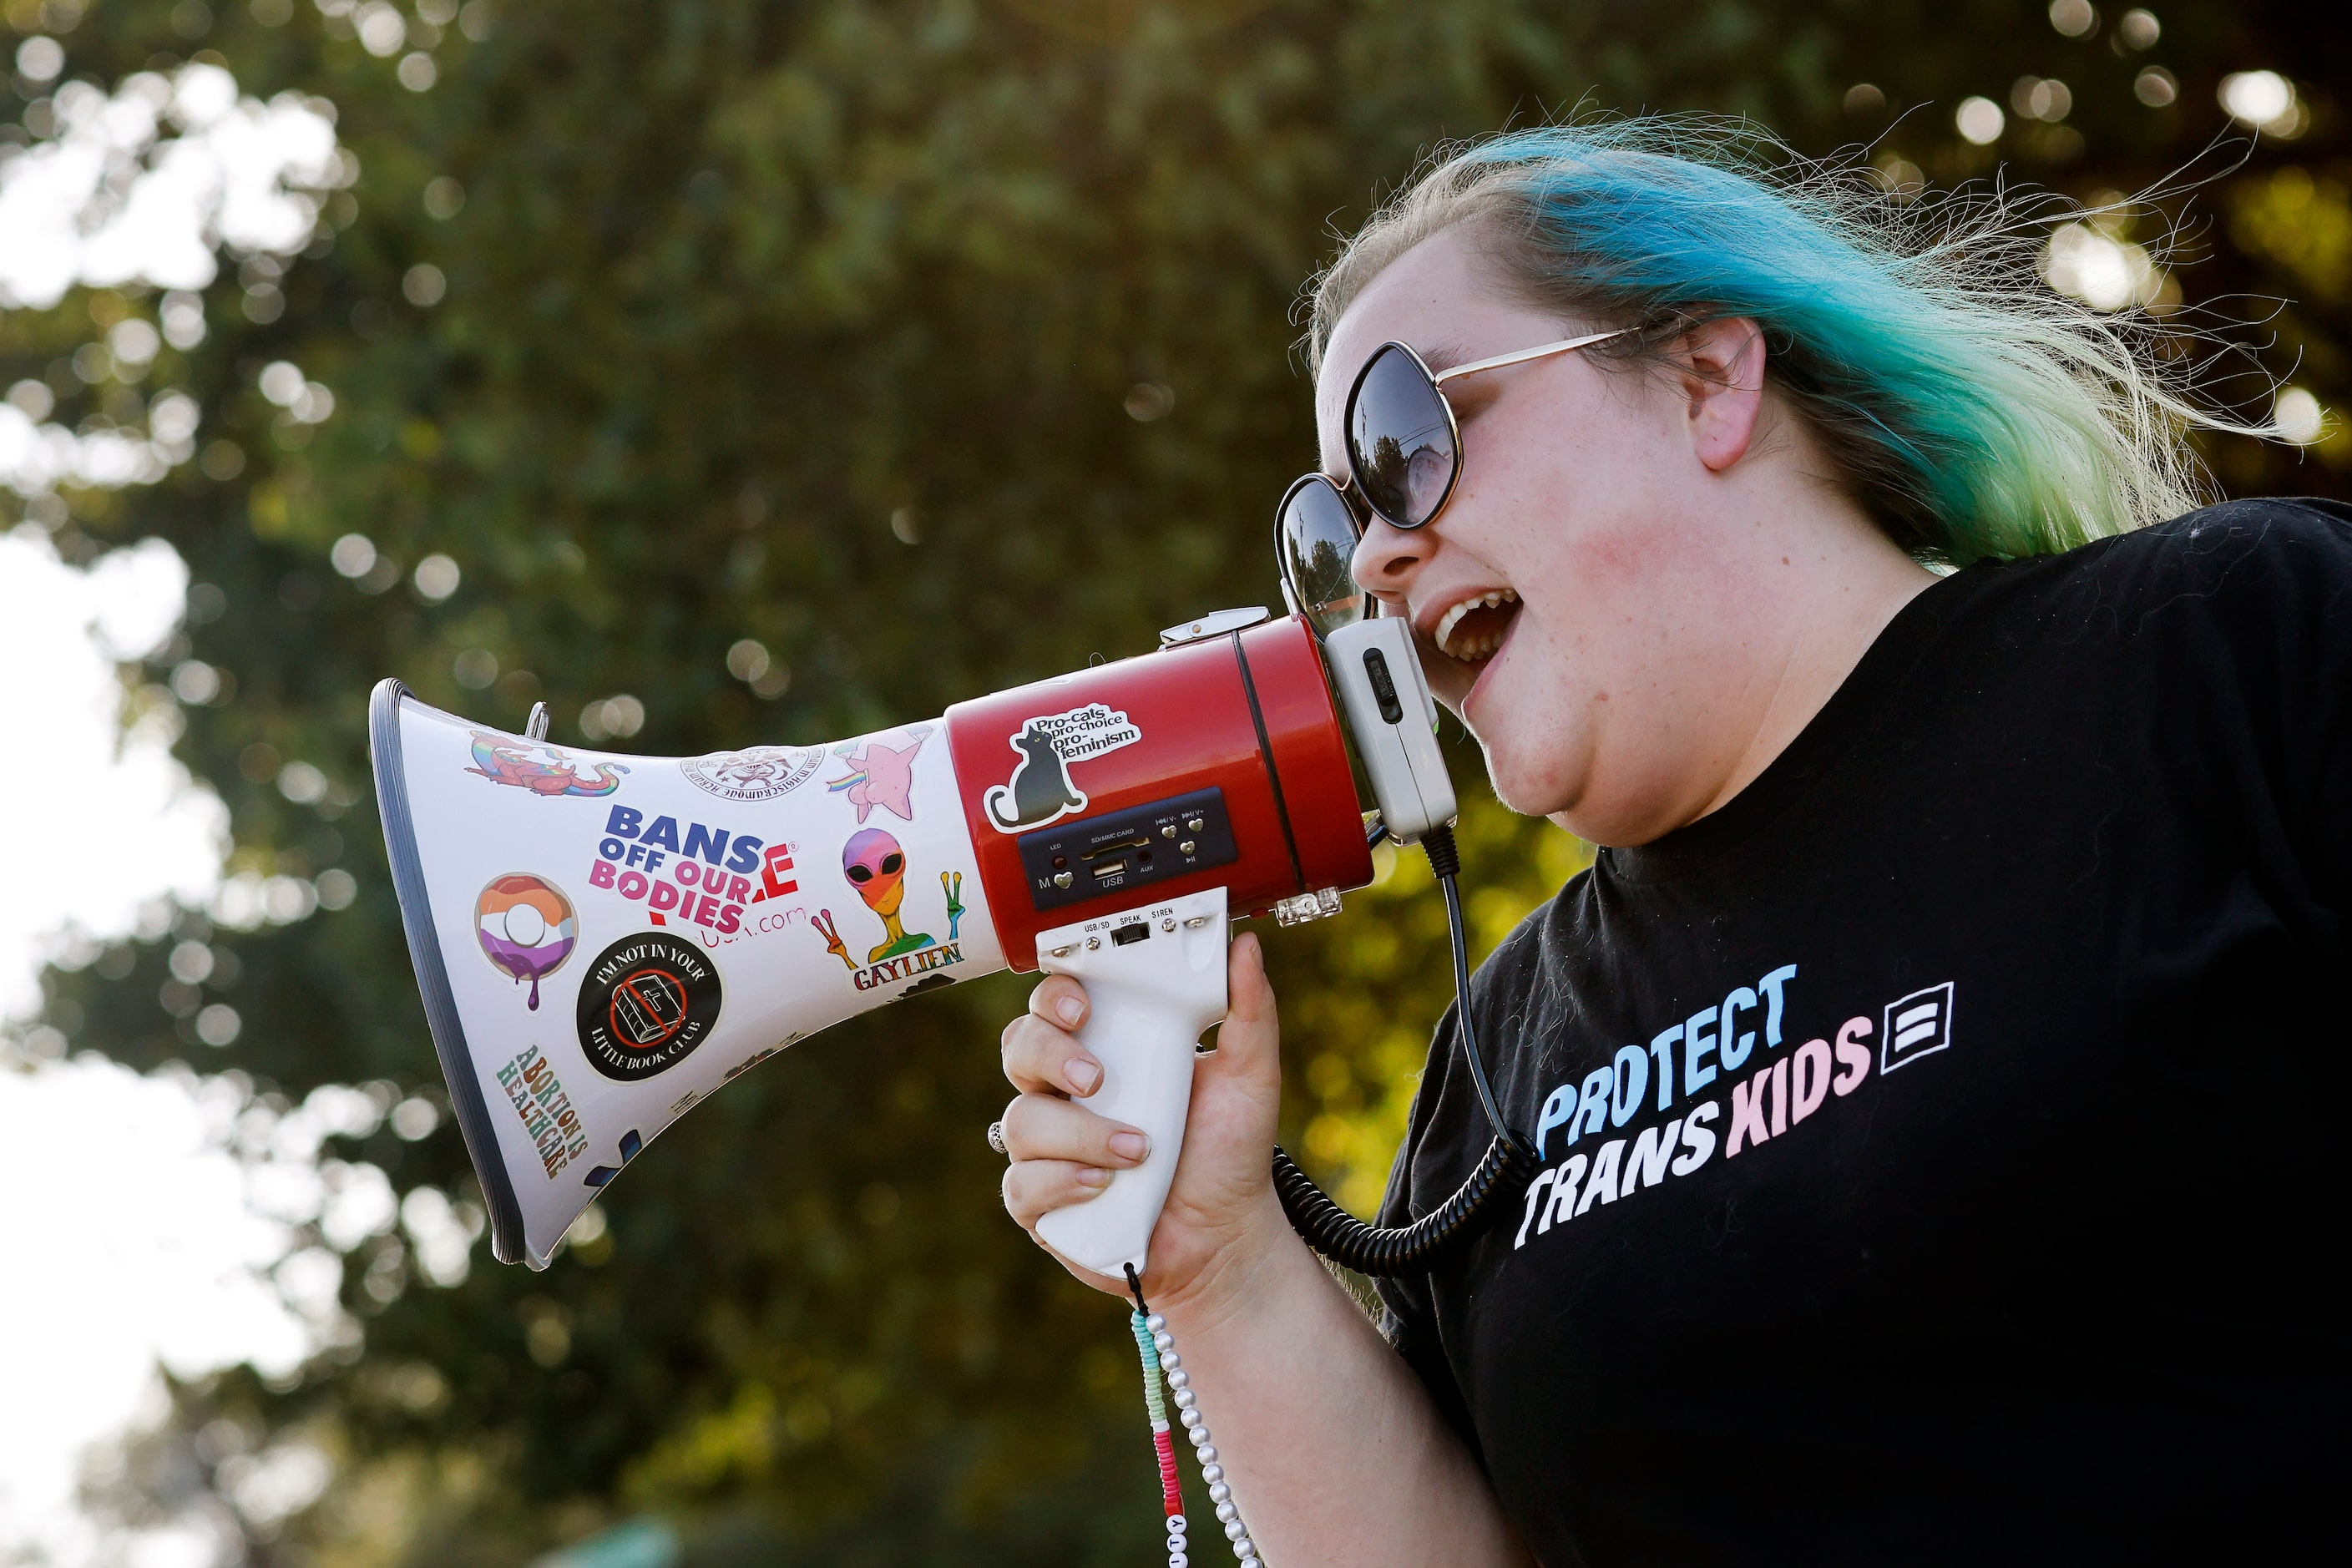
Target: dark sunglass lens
[
  {"x": 1318, "y": 536},
  {"x": 1400, "y": 441}
]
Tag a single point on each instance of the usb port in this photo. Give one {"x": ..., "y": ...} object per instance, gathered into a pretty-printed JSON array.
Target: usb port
[
  {"x": 1134, "y": 931},
  {"x": 1105, "y": 870}
]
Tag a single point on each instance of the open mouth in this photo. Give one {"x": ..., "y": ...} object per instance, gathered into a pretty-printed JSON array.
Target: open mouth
[{"x": 1474, "y": 629}]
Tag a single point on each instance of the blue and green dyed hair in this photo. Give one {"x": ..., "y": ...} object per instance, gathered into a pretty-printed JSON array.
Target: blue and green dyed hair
[{"x": 1973, "y": 410}]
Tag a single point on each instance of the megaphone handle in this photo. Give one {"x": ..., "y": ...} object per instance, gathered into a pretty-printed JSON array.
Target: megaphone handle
[{"x": 1149, "y": 998}]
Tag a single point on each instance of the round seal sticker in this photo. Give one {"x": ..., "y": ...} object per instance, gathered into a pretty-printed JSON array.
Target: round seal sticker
[
  {"x": 645, "y": 1004},
  {"x": 759, "y": 773}
]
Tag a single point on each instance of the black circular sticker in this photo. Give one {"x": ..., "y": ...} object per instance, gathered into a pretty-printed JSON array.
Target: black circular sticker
[{"x": 646, "y": 1002}]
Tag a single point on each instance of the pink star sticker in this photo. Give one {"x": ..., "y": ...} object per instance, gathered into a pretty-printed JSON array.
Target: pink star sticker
[{"x": 882, "y": 777}]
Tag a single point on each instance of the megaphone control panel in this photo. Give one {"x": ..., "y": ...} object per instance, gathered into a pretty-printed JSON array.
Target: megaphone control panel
[{"x": 1125, "y": 851}]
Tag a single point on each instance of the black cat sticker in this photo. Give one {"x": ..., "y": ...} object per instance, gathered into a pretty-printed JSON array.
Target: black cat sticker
[{"x": 1040, "y": 790}]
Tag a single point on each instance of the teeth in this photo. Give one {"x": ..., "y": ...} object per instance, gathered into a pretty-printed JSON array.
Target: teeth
[{"x": 1472, "y": 648}]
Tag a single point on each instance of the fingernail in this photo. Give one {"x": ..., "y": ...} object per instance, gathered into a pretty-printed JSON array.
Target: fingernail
[
  {"x": 1068, "y": 1009},
  {"x": 1130, "y": 1145},
  {"x": 1084, "y": 1075},
  {"x": 1093, "y": 1176}
]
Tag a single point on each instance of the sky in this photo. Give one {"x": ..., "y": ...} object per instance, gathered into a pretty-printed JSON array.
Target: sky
[
  {"x": 126, "y": 1241},
  {"x": 150, "y": 1221}
]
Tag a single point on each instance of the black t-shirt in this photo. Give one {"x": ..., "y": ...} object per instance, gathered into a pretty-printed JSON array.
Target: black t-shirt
[{"x": 1942, "y": 1138}]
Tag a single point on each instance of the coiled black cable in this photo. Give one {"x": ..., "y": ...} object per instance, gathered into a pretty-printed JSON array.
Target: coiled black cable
[{"x": 1510, "y": 1162}]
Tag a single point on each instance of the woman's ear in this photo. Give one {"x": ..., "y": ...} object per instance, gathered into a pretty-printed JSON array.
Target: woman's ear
[{"x": 1720, "y": 371}]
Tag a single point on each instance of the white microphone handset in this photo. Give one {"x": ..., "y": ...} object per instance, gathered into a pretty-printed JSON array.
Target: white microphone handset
[
  {"x": 1155, "y": 980},
  {"x": 1393, "y": 719}
]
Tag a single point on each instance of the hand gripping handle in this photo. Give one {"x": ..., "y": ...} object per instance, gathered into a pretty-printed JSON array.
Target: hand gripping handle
[{"x": 1150, "y": 997}]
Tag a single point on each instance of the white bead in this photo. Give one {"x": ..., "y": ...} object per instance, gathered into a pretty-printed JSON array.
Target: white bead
[
  {"x": 1208, "y": 1451},
  {"x": 1186, "y": 1399},
  {"x": 1191, "y": 1418},
  {"x": 1245, "y": 1550},
  {"x": 1246, "y": 1559},
  {"x": 1176, "y": 1524},
  {"x": 1171, "y": 1362},
  {"x": 1178, "y": 1560},
  {"x": 1227, "y": 1513},
  {"x": 1176, "y": 1544},
  {"x": 1212, "y": 1473},
  {"x": 1200, "y": 1436},
  {"x": 1177, "y": 1379},
  {"x": 1219, "y": 1491},
  {"x": 1155, "y": 1323},
  {"x": 1163, "y": 1344}
]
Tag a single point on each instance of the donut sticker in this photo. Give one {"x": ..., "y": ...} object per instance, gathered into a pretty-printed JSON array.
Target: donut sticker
[{"x": 526, "y": 928}]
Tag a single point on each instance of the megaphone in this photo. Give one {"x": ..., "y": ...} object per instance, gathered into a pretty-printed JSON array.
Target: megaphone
[{"x": 602, "y": 940}]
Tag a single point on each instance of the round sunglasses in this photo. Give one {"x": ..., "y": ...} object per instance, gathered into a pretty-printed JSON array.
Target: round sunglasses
[{"x": 1405, "y": 459}]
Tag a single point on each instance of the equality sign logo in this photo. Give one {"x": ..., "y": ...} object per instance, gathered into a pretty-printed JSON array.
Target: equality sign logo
[
  {"x": 1919, "y": 1024},
  {"x": 645, "y": 1004},
  {"x": 754, "y": 773},
  {"x": 1040, "y": 790}
]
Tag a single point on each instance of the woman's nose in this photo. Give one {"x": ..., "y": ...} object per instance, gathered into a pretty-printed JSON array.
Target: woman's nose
[{"x": 1387, "y": 558}]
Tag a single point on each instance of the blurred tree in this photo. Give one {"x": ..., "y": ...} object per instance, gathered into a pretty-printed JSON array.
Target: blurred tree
[{"x": 927, "y": 345}]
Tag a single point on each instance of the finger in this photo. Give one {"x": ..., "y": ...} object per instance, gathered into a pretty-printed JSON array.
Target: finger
[
  {"x": 1042, "y": 1060},
  {"x": 1035, "y": 1188},
  {"x": 1252, "y": 1031},
  {"x": 1041, "y": 1127},
  {"x": 1060, "y": 1000}
]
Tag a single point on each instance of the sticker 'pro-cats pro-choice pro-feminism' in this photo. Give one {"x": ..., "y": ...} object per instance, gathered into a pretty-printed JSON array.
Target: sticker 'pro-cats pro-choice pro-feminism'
[{"x": 1040, "y": 790}]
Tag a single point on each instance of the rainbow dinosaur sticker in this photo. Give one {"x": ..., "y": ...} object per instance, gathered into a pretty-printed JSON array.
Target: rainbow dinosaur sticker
[{"x": 538, "y": 767}]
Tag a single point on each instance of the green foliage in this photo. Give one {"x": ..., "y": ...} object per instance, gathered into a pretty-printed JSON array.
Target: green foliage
[{"x": 853, "y": 328}]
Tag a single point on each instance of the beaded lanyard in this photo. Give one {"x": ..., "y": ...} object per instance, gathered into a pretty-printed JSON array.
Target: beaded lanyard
[{"x": 1158, "y": 1348}]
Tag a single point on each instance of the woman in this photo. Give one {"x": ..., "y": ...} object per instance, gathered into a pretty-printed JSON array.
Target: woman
[{"x": 1932, "y": 1074}]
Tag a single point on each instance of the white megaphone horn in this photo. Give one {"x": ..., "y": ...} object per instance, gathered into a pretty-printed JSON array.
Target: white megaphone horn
[{"x": 602, "y": 940}]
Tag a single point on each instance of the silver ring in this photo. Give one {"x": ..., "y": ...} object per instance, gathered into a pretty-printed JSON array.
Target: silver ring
[{"x": 996, "y": 1139}]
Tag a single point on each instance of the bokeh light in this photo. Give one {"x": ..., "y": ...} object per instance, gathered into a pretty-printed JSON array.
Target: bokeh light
[
  {"x": 2263, "y": 100},
  {"x": 1979, "y": 120}
]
